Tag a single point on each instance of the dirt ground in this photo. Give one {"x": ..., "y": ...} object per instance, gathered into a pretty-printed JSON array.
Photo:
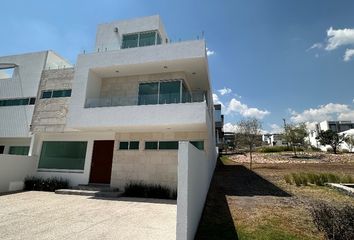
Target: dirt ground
[{"x": 258, "y": 204}]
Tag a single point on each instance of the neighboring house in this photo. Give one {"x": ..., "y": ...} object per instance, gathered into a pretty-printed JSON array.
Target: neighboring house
[
  {"x": 275, "y": 139},
  {"x": 119, "y": 114},
  {"x": 340, "y": 127},
  {"x": 219, "y": 124}
]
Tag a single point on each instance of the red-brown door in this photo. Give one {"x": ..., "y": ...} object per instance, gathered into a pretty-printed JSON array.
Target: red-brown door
[{"x": 101, "y": 165}]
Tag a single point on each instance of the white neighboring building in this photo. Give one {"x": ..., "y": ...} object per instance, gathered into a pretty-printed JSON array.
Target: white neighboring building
[
  {"x": 341, "y": 127},
  {"x": 275, "y": 139}
]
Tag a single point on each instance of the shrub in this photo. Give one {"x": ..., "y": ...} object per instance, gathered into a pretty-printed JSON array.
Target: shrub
[
  {"x": 330, "y": 150},
  {"x": 344, "y": 151},
  {"x": 336, "y": 223},
  {"x": 347, "y": 179},
  {"x": 315, "y": 149},
  {"x": 275, "y": 149},
  {"x": 297, "y": 179},
  {"x": 45, "y": 184},
  {"x": 140, "y": 189},
  {"x": 287, "y": 179}
]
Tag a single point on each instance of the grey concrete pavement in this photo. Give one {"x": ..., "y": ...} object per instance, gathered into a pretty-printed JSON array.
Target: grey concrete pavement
[{"x": 41, "y": 215}]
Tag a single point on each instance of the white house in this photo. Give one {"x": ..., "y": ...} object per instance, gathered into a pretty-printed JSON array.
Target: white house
[
  {"x": 274, "y": 139},
  {"x": 137, "y": 108}
]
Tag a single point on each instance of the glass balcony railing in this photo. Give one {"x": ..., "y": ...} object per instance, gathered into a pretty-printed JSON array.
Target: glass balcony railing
[{"x": 146, "y": 99}]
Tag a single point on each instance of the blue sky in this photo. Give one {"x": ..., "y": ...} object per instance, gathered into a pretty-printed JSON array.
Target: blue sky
[{"x": 270, "y": 59}]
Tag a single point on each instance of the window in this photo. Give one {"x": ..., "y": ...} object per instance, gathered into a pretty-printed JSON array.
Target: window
[
  {"x": 162, "y": 92},
  {"x": 63, "y": 155},
  {"x": 147, "y": 39},
  {"x": 130, "y": 40},
  {"x": 170, "y": 92},
  {"x": 132, "y": 145},
  {"x": 19, "y": 150},
  {"x": 61, "y": 93},
  {"x": 17, "y": 102},
  {"x": 141, "y": 39},
  {"x": 148, "y": 93},
  {"x": 151, "y": 145},
  {"x": 56, "y": 93},
  {"x": 198, "y": 144},
  {"x": 166, "y": 145},
  {"x": 46, "y": 94},
  {"x": 6, "y": 71},
  {"x": 2, "y": 149}
]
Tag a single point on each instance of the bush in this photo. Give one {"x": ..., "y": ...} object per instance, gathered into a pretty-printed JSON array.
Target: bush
[
  {"x": 45, "y": 184},
  {"x": 315, "y": 149},
  {"x": 336, "y": 223},
  {"x": 140, "y": 189},
  {"x": 317, "y": 179},
  {"x": 287, "y": 179},
  {"x": 275, "y": 149},
  {"x": 330, "y": 150},
  {"x": 344, "y": 151}
]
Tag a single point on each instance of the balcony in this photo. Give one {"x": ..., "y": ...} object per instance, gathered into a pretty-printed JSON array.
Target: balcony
[{"x": 147, "y": 99}]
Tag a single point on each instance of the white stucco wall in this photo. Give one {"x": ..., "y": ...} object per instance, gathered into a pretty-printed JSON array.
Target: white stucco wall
[
  {"x": 195, "y": 171},
  {"x": 13, "y": 170}
]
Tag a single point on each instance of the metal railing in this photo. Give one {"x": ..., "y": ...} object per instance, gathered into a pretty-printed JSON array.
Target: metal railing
[{"x": 146, "y": 99}]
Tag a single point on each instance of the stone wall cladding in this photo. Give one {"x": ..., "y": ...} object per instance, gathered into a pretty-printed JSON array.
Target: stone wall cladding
[
  {"x": 148, "y": 166},
  {"x": 50, "y": 114}
]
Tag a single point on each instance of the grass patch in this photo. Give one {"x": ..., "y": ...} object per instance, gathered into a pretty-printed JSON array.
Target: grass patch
[
  {"x": 319, "y": 179},
  {"x": 225, "y": 160},
  {"x": 142, "y": 190},
  {"x": 45, "y": 184}
]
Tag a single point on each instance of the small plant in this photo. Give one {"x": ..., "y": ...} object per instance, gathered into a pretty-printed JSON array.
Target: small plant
[
  {"x": 275, "y": 149},
  {"x": 140, "y": 189},
  {"x": 336, "y": 223},
  {"x": 287, "y": 179},
  {"x": 297, "y": 179},
  {"x": 45, "y": 184}
]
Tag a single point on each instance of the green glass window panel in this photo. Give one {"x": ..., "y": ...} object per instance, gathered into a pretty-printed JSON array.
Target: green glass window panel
[
  {"x": 63, "y": 155},
  {"x": 168, "y": 145},
  {"x": 14, "y": 102},
  {"x": 151, "y": 145},
  {"x": 61, "y": 93},
  {"x": 2, "y": 148},
  {"x": 32, "y": 101},
  {"x": 186, "y": 96},
  {"x": 158, "y": 38},
  {"x": 198, "y": 144},
  {"x": 123, "y": 145},
  {"x": 130, "y": 41},
  {"x": 19, "y": 150},
  {"x": 148, "y": 93},
  {"x": 134, "y": 145},
  {"x": 147, "y": 39},
  {"x": 46, "y": 94},
  {"x": 170, "y": 92}
]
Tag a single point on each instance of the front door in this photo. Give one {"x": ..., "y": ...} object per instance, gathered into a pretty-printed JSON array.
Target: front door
[{"x": 101, "y": 165}]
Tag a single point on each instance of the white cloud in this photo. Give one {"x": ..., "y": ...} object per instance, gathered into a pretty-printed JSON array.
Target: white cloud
[
  {"x": 229, "y": 127},
  {"x": 224, "y": 91},
  {"x": 275, "y": 128},
  {"x": 349, "y": 53},
  {"x": 330, "y": 111},
  {"x": 216, "y": 100},
  {"x": 339, "y": 37},
  {"x": 210, "y": 52},
  {"x": 235, "y": 106},
  {"x": 315, "y": 45}
]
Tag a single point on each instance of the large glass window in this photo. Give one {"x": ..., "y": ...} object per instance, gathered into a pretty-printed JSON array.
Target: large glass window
[
  {"x": 148, "y": 93},
  {"x": 198, "y": 144},
  {"x": 63, "y": 155},
  {"x": 147, "y": 39},
  {"x": 46, "y": 94},
  {"x": 132, "y": 145},
  {"x": 19, "y": 150},
  {"x": 149, "y": 145},
  {"x": 170, "y": 92},
  {"x": 56, "y": 93},
  {"x": 130, "y": 40},
  {"x": 17, "y": 102}
]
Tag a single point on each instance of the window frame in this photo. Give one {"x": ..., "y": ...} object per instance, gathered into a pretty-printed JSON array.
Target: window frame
[{"x": 128, "y": 147}]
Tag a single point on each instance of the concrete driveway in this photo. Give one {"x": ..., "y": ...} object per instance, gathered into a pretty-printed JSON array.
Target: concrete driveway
[{"x": 41, "y": 215}]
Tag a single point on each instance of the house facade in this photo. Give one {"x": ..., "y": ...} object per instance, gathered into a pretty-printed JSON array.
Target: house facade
[{"x": 118, "y": 115}]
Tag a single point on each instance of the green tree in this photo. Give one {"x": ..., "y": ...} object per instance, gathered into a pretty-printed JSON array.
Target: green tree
[
  {"x": 295, "y": 135},
  {"x": 331, "y": 138},
  {"x": 249, "y": 131},
  {"x": 349, "y": 140}
]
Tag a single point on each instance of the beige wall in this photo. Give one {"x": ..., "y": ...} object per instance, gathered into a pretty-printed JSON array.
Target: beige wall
[
  {"x": 149, "y": 166},
  {"x": 124, "y": 90},
  {"x": 50, "y": 114}
]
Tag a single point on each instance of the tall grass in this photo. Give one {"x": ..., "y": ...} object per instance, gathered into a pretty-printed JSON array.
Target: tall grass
[
  {"x": 140, "y": 189},
  {"x": 45, "y": 184},
  {"x": 319, "y": 179}
]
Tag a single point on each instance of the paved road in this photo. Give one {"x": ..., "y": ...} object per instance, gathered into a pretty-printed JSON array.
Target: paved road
[{"x": 41, "y": 215}]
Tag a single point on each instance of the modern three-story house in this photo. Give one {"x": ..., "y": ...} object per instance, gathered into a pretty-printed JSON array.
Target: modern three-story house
[{"x": 118, "y": 115}]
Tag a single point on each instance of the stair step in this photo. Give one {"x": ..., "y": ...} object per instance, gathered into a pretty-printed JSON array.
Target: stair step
[{"x": 91, "y": 193}]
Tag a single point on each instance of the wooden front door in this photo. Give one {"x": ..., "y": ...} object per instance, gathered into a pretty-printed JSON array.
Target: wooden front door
[{"x": 101, "y": 165}]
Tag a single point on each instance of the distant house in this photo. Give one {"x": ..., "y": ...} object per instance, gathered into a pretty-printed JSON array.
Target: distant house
[
  {"x": 219, "y": 123},
  {"x": 275, "y": 139},
  {"x": 341, "y": 127}
]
